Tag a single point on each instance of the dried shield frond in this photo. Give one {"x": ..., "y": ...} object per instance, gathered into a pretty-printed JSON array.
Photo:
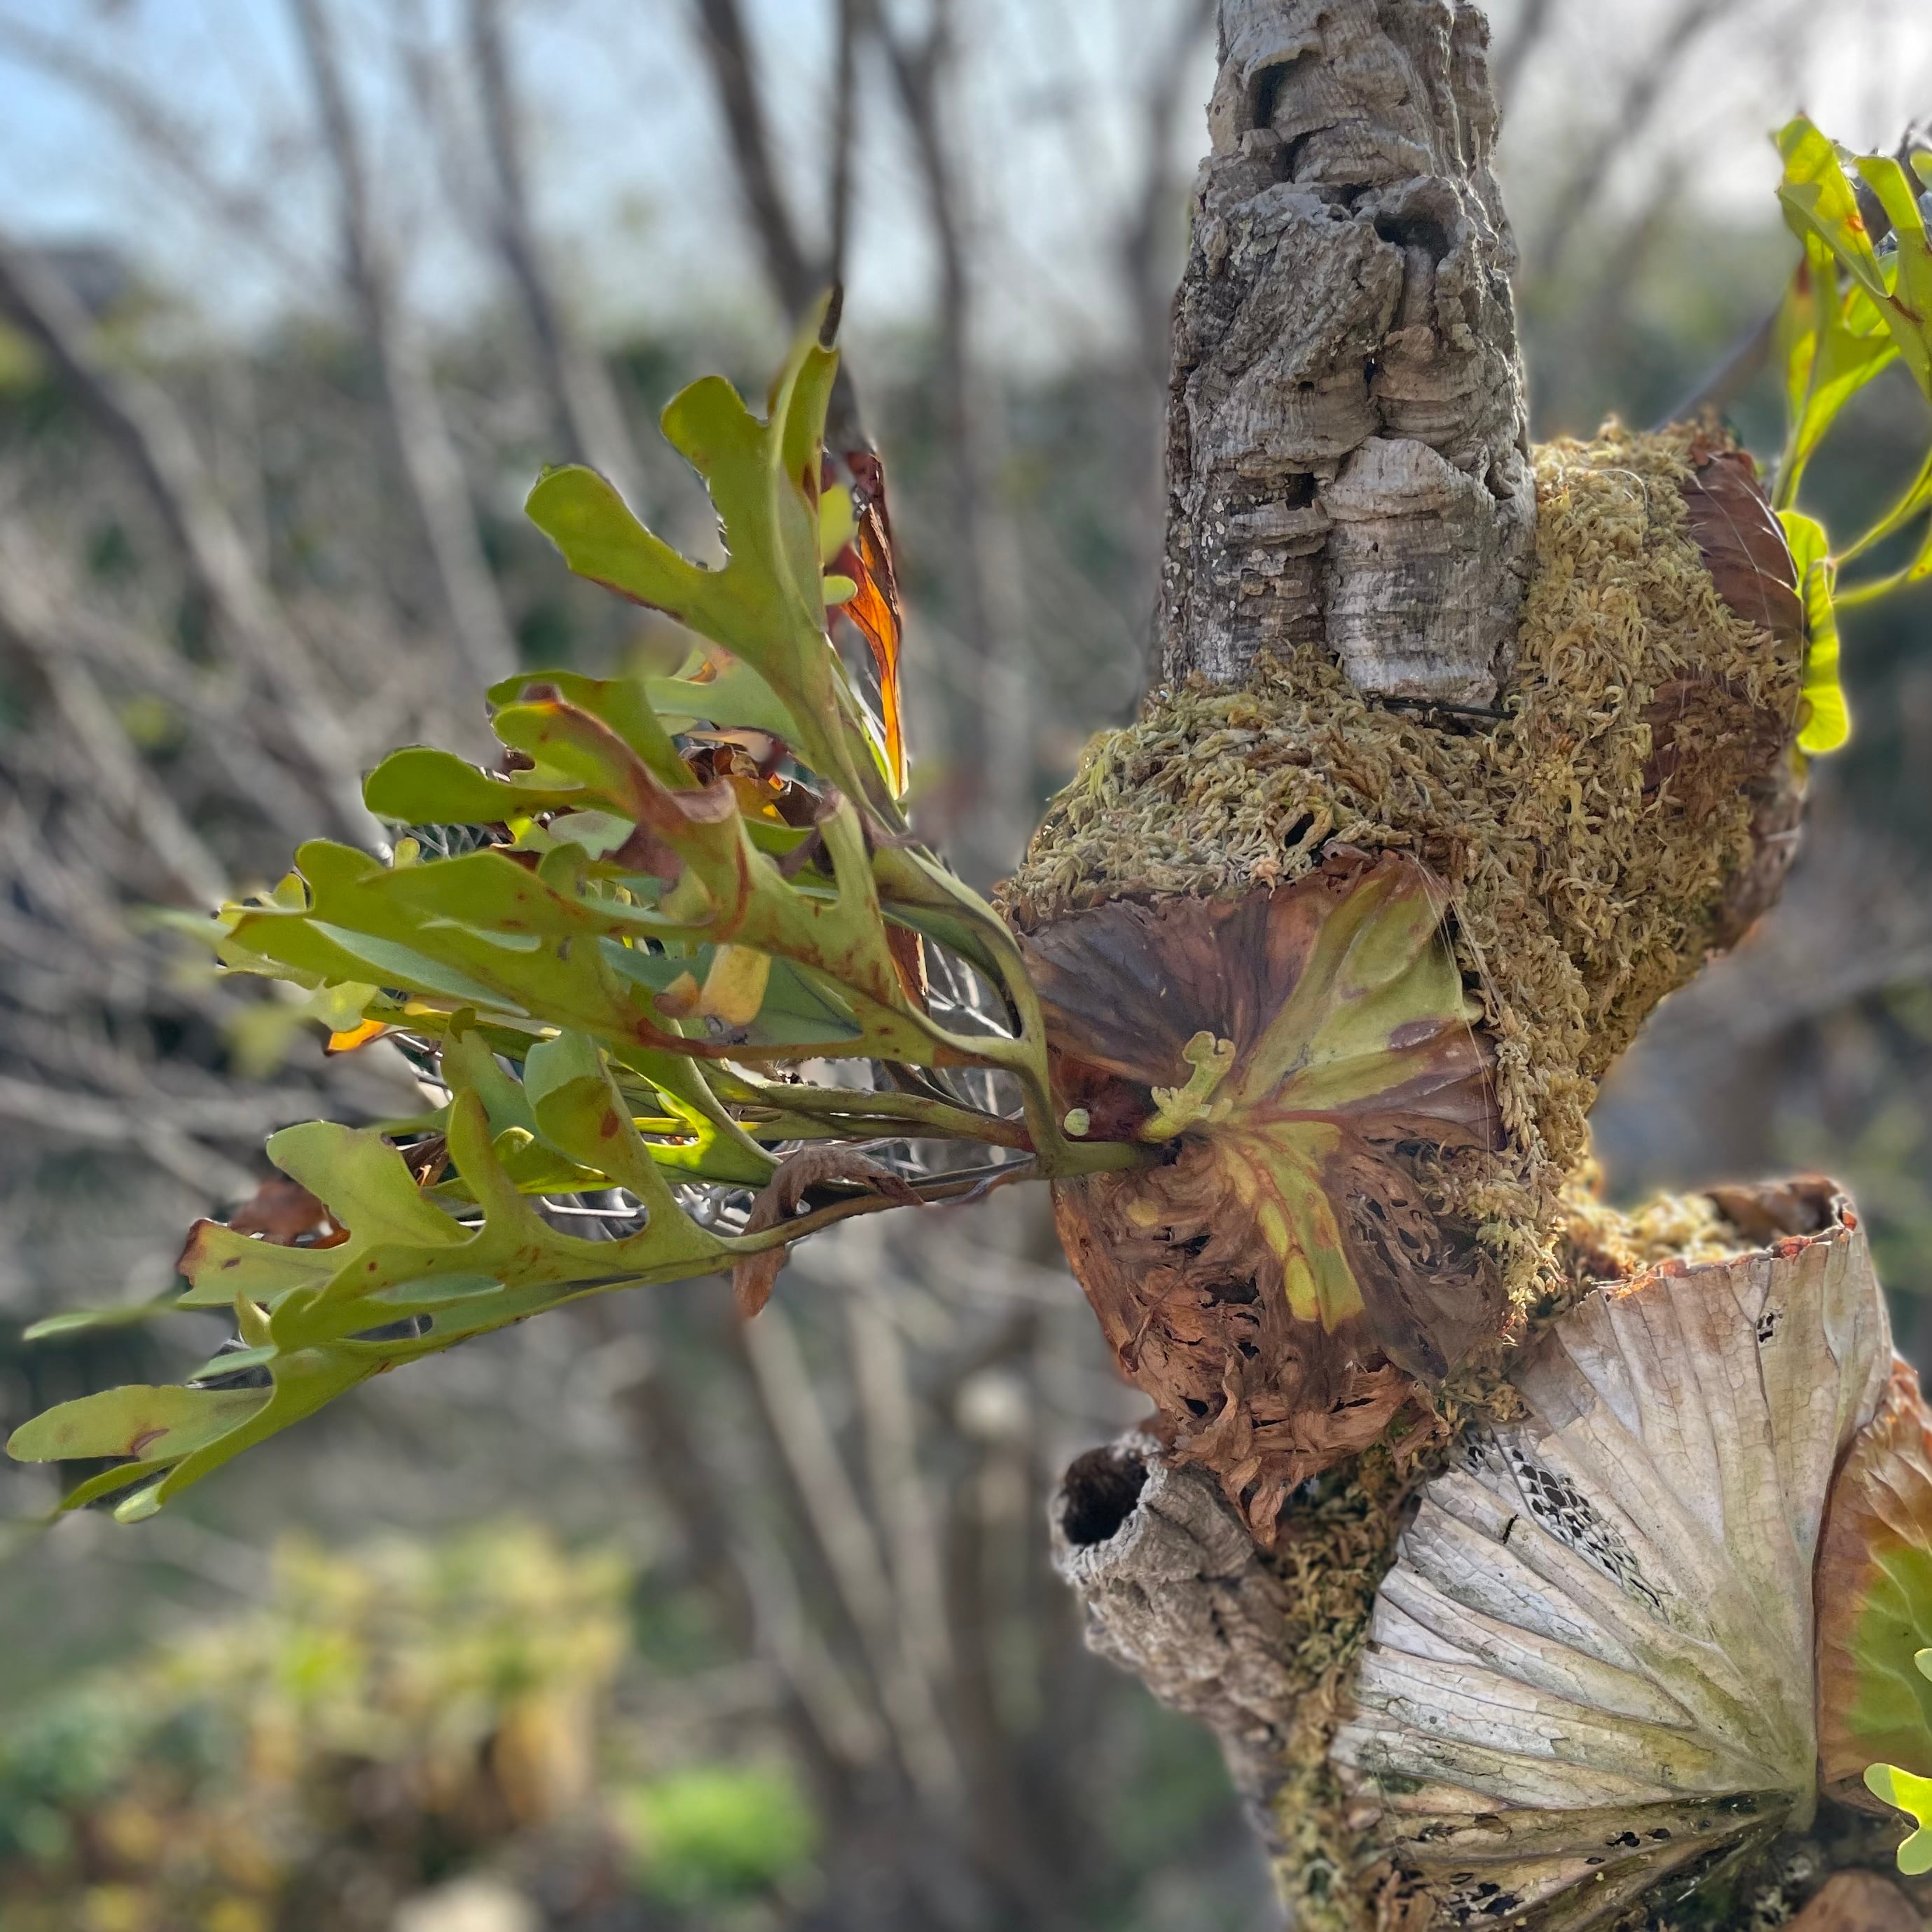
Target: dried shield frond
[
  {"x": 1704, "y": 729},
  {"x": 1276, "y": 1283},
  {"x": 1588, "y": 1682}
]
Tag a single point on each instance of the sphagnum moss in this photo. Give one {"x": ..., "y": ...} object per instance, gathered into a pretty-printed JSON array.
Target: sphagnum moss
[{"x": 1585, "y": 838}]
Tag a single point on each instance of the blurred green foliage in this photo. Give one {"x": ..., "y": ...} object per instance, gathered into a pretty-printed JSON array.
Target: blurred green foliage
[
  {"x": 384, "y": 1720},
  {"x": 715, "y": 1831}
]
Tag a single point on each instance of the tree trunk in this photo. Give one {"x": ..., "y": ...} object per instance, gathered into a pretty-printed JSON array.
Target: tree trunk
[
  {"x": 1347, "y": 443},
  {"x": 1465, "y": 756}
]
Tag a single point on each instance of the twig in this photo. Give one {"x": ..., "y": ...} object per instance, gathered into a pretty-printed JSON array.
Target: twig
[
  {"x": 845, "y": 120},
  {"x": 851, "y": 1551},
  {"x": 431, "y": 467},
  {"x": 994, "y": 754},
  {"x": 139, "y": 416},
  {"x": 1721, "y": 385},
  {"x": 84, "y": 1116},
  {"x": 900, "y": 1497},
  {"x": 584, "y": 404},
  {"x": 147, "y": 807},
  {"x": 246, "y": 212},
  {"x": 720, "y": 34},
  {"x": 1644, "y": 92}
]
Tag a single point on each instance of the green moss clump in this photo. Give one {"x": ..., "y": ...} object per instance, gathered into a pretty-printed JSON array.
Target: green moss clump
[{"x": 1586, "y": 839}]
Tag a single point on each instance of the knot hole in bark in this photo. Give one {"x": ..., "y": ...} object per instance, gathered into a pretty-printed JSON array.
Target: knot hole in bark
[
  {"x": 1101, "y": 1489},
  {"x": 1263, "y": 90}
]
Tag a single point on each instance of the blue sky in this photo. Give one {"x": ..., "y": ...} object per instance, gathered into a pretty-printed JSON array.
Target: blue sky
[
  {"x": 626, "y": 157},
  {"x": 630, "y": 172}
]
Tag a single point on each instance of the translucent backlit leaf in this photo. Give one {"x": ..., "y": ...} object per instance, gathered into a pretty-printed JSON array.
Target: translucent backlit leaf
[
  {"x": 680, "y": 882},
  {"x": 1826, "y": 722},
  {"x": 1905, "y": 1792}
]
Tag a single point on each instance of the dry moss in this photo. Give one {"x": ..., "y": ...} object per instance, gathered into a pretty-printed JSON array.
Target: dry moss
[
  {"x": 1337, "y": 1548},
  {"x": 1601, "y": 1242},
  {"x": 1585, "y": 839}
]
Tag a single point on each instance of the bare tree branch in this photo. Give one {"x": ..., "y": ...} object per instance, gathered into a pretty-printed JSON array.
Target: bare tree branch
[
  {"x": 1149, "y": 277},
  {"x": 1630, "y": 117},
  {"x": 116, "y": 766},
  {"x": 138, "y": 416},
  {"x": 1147, "y": 274},
  {"x": 249, "y": 212},
  {"x": 583, "y": 403},
  {"x": 86, "y": 1116},
  {"x": 994, "y": 752},
  {"x": 1533, "y": 23},
  {"x": 900, "y": 1499},
  {"x": 852, "y": 1553},
  {"x": 844, "y": 122},
  {"x": 790, "y": 269},
  {"x": 431, "y": 467}
]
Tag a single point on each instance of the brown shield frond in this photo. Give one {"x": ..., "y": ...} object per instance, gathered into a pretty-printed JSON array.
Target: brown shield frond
[{"x": 1279, "y": 1281}]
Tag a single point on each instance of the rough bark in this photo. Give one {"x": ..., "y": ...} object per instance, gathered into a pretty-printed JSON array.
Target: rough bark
[
  {"x": 1444, "y": 1665},
  {"x": 1175, "y": 1591},
  {"x": 1588, "y": 1668},
  {"x": 1347, "y": 437}
]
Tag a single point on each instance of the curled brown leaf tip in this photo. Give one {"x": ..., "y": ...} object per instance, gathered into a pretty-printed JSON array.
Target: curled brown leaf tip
[
  {"x": 754, "y": 1276},
  {"x": 284, "y": 1214}
]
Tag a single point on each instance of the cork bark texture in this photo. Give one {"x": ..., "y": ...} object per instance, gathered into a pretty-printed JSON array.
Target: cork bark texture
[
  {"x": 1561, "y": 687},
  {"x": 1347, "y": 442}
]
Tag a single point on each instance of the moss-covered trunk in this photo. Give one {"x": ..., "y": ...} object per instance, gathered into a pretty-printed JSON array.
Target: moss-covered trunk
[{"x": 1464, "y": 755}]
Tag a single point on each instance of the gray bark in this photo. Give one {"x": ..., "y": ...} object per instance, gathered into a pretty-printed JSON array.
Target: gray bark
[
  {"x": 1348, "y": 451},
  {"x": 1175, "y": 1591},
  {"x": 1347, "y": 463}
]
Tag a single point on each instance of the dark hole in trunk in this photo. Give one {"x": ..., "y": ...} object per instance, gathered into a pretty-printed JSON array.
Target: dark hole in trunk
[{"x": 1100, "y": 1491}]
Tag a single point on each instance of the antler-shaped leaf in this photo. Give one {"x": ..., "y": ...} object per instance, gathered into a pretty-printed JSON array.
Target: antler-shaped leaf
[
  {"x": 1853, "y": 310},
  {"x": 617, "y": 986},
  {"x": 766, "y": 604},
  {"x": 411, "y": 1279}
]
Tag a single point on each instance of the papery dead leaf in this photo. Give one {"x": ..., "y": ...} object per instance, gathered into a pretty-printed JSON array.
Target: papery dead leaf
[
  {"x": 1275, "y": 1284},
  {"x": 874, "y": 606},
  {"x": 753, "y": 1277}
]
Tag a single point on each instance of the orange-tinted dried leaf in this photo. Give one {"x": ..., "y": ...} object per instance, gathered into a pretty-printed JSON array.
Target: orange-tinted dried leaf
[
  {"x": 355, "y": 1036},
  {"x": 873, "y": 606}
]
